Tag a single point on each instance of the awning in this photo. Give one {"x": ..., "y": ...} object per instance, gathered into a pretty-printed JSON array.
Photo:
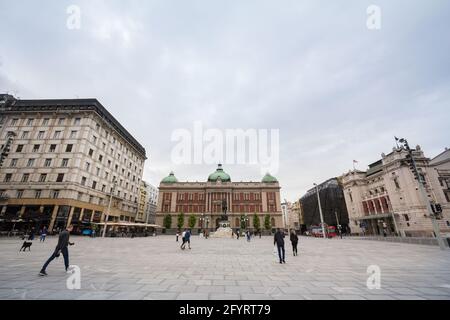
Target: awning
[
  {"x": 375, "y": 216},
  {"x": 128, "y": 224}
]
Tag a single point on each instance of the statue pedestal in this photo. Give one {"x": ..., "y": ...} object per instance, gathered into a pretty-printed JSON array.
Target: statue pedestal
[{"x": 224, "y": 230}]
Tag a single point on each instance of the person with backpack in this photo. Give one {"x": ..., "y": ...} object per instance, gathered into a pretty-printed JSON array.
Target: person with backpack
[{"x": 186, "y": 239}]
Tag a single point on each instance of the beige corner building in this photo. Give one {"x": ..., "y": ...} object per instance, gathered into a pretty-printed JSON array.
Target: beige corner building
[
  {"x": 204, "y": 201},
  {"x": 387, "y": 194},
  {"x": 62, "y": 159}
]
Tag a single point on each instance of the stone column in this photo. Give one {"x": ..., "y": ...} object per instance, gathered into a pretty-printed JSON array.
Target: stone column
[
  {"x": 69, "y": 219},
  {"x": 52, "y": 222}
]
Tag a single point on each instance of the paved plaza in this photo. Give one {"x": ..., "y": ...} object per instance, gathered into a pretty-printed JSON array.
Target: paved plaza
[{"x": 155, "y": 268}]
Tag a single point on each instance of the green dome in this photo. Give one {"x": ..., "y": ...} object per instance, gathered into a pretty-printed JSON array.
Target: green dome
[
  {"x": 269, "y": 179},
  {"x": 170, "y": 179},
  {"x": 224, "y": 177}
]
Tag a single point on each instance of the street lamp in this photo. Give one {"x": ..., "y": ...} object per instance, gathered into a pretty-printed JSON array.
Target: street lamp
[
  {"x": 421, "y": 182},
  {"x": 320, "y": 211},
  {"x": 109, "y": 207}
]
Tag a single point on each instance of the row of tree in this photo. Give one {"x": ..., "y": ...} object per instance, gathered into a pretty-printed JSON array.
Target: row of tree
[{"x": 167, "y": 222}]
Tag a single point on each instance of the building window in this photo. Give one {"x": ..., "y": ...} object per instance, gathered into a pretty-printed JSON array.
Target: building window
[
  {"x": 64, "y": 162},
  {"x": 25, "y": 177},
  {"x": 45, "y": 122},
  {"x": 41, "y": 135},
  {"x": 100, "y": 158},
  {"x": 30, "y": 122},
  {"x": 61, "y": 121},
  {"x": 13, "y": 162},
  {"x": 19, "y": 194},
  {"x": 25, "y": 135},
  {"x": 103, "y": 188},
  {"x": 406, "y": 217},
  {"x": 43, "y": 177},
  {"x": 91, "y": 152},
  {"x": 98, "y": 172},
  {"x": 60, "y": 177},
  {"x": 83, "y": 181},
  {"x": 48, "y": 162},
  {"x": 14, "y": 122},
  {"x": 94, "y": 184},
  {"x": 36, "y": 147},
  {"x": 77, "y": 121},
  {"x": 7, "y": 177},
  {"x": 37, "y": 194},
  {"x": 30, "y": 163},
  {"x": 52, "y": 148},
  {"x": 55, "y": 194},
  {"x": 56, "y": 134},
  {"x": 94, "y": 139},
  {"x": 73, "y": 134},
  {"x": 397, "y": 185},
  {"x": 69, "y": 148}
]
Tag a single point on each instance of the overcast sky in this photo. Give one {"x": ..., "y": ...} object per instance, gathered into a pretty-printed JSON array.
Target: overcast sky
[{"x": 336, "y": 90}]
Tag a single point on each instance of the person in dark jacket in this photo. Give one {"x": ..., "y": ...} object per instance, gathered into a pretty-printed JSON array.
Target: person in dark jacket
[
  {"x": 279, "y": 241},
  {"x": 61, "y": 247},
  {"x": 294, "y": 241}
]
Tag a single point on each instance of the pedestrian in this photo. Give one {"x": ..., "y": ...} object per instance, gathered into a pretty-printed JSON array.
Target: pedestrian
[
  {"x": 260, "y": 234},
  {"x": 178, "y": 235},
  {"x": 248, "y": 236},
  {"x": 186, "y": 239},
  {"x": 31, "y": 236},
  {"x": 93, "y": 233},
  {"x": 238, "y": 233},
  {"x": 294, "y": 241},
  {"x": 279, "y": 241},
  {"x": 183, "y": 239},
  {"x": 43, "y": 234},
  {"x": 61, "y": 247}
]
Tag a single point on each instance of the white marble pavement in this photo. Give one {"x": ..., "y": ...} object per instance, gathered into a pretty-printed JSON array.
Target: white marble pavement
[{"x": 155, "y": 268}]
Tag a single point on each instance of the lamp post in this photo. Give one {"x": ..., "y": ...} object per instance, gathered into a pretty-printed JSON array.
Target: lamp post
[
  {"x": 422, "y": 192},
  {"x": 320, "y": 211},
  {"x": 109, "y": 208}
]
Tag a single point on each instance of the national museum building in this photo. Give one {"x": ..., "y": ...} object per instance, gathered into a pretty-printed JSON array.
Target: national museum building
[{"x": 204, "y": 200}]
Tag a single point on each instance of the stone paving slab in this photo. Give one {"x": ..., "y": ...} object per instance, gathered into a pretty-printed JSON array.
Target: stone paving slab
[{"x": 225, "y": 269}]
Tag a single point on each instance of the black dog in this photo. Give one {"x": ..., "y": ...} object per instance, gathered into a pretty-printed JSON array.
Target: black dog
[{"x": 25, "y": 245}]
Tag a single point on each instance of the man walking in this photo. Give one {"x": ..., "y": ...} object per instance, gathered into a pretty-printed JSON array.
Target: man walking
[
  {"x": 294, "y": 241},
  {"x": 279, "y": 241},
  {"x": 61, "y": 247}
]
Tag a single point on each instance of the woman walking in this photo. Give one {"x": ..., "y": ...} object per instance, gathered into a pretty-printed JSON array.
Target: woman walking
[{"x": 294, "y": 241}]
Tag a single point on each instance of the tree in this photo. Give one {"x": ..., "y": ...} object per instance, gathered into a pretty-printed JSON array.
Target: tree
[
  {"x": 256, "y": 222},
  {"x": 180, "y": 223},
  {"x": 192, "y": 221},
  {"x": 167, "y": 222},
  {"x": 243, "y": 222},
  {"x": 267, "y": 223}
]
